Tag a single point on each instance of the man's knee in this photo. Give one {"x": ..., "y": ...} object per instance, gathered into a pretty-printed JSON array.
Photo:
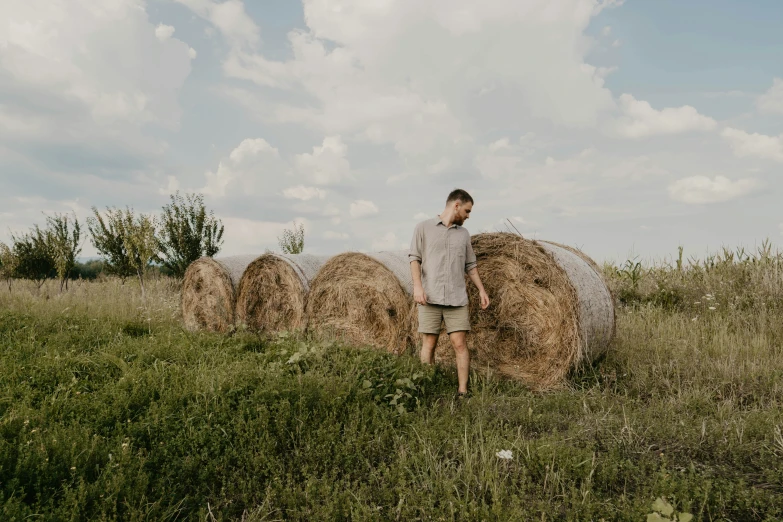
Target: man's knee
[
  {"x": 429, "y": 340},
  {"x": 459, "y": 343}
]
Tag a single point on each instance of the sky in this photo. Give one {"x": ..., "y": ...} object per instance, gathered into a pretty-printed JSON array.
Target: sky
[{"x": 624, "y": 128}]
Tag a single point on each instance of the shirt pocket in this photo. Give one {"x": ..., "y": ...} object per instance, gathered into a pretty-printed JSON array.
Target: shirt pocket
[{"x": 457, "y": 252}]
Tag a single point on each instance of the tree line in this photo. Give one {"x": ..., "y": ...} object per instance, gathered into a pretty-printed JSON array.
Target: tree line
[{"x": 128, "y": 242}]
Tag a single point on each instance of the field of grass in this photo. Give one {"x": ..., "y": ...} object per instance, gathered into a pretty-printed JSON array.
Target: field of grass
[{"x": 109, "y": 410}]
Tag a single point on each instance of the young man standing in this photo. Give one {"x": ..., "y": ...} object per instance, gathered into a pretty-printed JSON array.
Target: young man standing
[{"x": 440, "y": 256}]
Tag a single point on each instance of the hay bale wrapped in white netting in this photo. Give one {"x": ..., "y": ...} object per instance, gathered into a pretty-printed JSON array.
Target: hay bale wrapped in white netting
[
  {"x": 364, "y": 299},
  {"x": 550, "y": 310},
  {"x": 208, "y": 296},
  {"x": 271, "y": 294}
]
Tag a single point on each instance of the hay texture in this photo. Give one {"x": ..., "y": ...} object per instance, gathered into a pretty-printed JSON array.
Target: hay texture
[
  {"x": 363, "y": 299},
  {"x": 208, "y": 294},
  {"x": 549, "y": 311},
  {"x": 271, "y": 293}
]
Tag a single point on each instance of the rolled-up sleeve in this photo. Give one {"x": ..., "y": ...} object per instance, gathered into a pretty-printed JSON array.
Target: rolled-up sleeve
[
  {"x": 470, "y": 258},
  {"x": 414, "y": 254}
]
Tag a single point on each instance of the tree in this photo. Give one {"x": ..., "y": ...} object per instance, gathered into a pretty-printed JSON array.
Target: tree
[
  {"x": 63, "y": 237},
  {"x": 141, "y": 243},
  {"x": 108, "y": 238},
  {"x": 8, "y": 264},
  {"x": 34, "y": 256},
  {"x": 292, "y": 241},
  {"x": 187, "y": 232}
]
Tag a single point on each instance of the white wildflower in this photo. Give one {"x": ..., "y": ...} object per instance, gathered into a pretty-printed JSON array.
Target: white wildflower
[
  {"x": 505, "y": 454},
  {"x": 712, "y": 308}
]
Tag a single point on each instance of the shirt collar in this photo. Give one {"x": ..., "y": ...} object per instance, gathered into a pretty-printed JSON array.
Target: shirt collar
[{"x": 439, "y": 221}]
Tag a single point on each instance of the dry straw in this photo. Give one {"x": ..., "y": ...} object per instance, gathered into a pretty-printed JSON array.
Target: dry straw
[
  {"x": 208, "y": 292},
  {"x": 364, "y": 299},
  {"x": 550, "y": 310},
  {"x": 271, "y": 294}
]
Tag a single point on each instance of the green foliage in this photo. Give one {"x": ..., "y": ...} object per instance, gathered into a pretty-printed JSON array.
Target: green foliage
[
  {"x": 108, "y": 238},
  {"x": 64, "y": 242},
  {"x": 188, "y": 232},
  {"x": 89, "y": 270},
  {"x": 141, "y": 243},
  {"x": 292, "y": 241},
  {"x": 34, "y": 256},
  {"x": 8, "y": 264}
]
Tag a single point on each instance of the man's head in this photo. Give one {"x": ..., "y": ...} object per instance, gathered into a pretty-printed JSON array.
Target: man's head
[{"x": 461, "y": 203}]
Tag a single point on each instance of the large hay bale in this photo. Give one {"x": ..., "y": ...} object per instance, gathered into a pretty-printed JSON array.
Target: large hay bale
[
  {"x": 365, "y": 299},
  {"x": 550, "y": 310},
  {"x": 271, "y": 293},
  {"x": 208, "y": 292}
]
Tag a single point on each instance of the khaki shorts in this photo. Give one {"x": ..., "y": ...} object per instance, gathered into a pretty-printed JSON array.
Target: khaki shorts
[{"x": 432, "y": 316}]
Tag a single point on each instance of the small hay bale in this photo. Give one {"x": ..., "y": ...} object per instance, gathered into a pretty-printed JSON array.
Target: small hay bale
[
  {"x": 365, "y": 299},
  {"x": 549, "y": 311},
  {"x": 271, "y": 293},
  {"x": 208, "y": 292}
]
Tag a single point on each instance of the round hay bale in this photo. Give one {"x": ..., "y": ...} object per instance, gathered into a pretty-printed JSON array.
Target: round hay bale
[
  {"x": 271, "y": 293},
  {"x": 549, "y": 310},
  {"x": 208, "y": 292},
  {"x": 364, "y": 299}
]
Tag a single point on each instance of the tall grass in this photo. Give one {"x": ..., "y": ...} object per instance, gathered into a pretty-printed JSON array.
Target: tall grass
[{"x": 109, "y": 410}]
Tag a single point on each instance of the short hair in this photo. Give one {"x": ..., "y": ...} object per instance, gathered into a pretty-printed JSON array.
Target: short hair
[{"x": 459, "y": 195}]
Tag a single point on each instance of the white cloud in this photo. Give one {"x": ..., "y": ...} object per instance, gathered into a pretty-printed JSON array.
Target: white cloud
[
  {"x": 388, "y": 241},
  {"x": 364, "y": 70},
  {"x": 164, "y": 32},
  {"x": 304, "y": 193},
  {"x": 754, "y": 145},
  {"x": 249, "y": 163},
  {"x": 192, "y": 53},
  {"x": 327, "y": 164},
  {"x": 247, "y": 236},
  {"x": 641, "y": 120},
  {"x": 330, "y": 234},
  {"x": 616, "y": 43},
  {"x": 697, "y": 190},
  {"x": 104, "y": 62},
  {"x": 607, "y": 30},
  {"x": 772, "y": 100},
  {"x": 171, "y": 188},
  {"x": 363, "y": 208},
  {"x": 230, "y": 18}
]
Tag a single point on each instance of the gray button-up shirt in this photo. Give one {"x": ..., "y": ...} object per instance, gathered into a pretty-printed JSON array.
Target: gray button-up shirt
[{"x": 446, "y": 255}]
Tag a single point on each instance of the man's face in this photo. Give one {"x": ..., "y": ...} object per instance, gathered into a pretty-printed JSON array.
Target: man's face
[{"x": 462, "y": 212}]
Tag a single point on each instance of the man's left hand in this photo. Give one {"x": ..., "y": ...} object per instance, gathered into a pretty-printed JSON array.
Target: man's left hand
[{"x": 484, "y": 300}]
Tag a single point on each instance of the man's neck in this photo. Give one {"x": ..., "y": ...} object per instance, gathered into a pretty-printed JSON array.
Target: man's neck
[{"x": 447, "y": 217}]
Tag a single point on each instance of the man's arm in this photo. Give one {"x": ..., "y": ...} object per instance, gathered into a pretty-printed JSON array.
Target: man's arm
[
  {"x": 418, "y": 289},
  {"x": 474, "y": 276},
  {"x": 415, "y": 255}
]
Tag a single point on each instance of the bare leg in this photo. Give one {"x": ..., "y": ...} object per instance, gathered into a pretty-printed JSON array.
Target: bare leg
[
  {"x": 428, "y": 342},
  {"x": 458, "y": 341}
]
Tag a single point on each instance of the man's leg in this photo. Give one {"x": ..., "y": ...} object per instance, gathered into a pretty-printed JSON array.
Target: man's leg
[
  {"x": 428, "y": 342},
  {"x": 458, "y": 341}
]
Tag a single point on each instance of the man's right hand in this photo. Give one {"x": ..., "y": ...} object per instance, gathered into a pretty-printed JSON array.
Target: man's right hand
[{"x": 419, "y": 296}]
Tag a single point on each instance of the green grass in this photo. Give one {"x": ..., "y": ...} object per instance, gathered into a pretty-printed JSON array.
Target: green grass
[{"x": 109, "y": 410}]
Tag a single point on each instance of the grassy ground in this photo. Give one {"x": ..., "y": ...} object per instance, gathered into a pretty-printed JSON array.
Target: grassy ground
[{"x": 109, "y": 410}]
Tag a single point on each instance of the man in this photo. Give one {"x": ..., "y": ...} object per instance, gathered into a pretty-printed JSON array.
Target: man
[{"x": 440, "y": 255}]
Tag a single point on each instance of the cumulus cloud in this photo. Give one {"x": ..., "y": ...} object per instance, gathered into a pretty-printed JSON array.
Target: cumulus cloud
[
  {"x": 248, "y": 236},
  {"x": 164, "y": 32},
  {"x": 244, "y": 168},
  {"x": 327, "y": 164},
  {"x": 362, "y": 208},
  {"x": 192, "y": 53},
  {"x": 754, "y": 145},
  {"x": 772, "y": 100},
  {"x": 331, "y": 234},
  {"x": 230, "y": 18},
  {"x": 388, "y": 241},
  {"x": 698, "y": 190},
  {"x": 640, "y": 120},
  {"x": 304, "y": 193},
  {"x": 364, "y": 70}
]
